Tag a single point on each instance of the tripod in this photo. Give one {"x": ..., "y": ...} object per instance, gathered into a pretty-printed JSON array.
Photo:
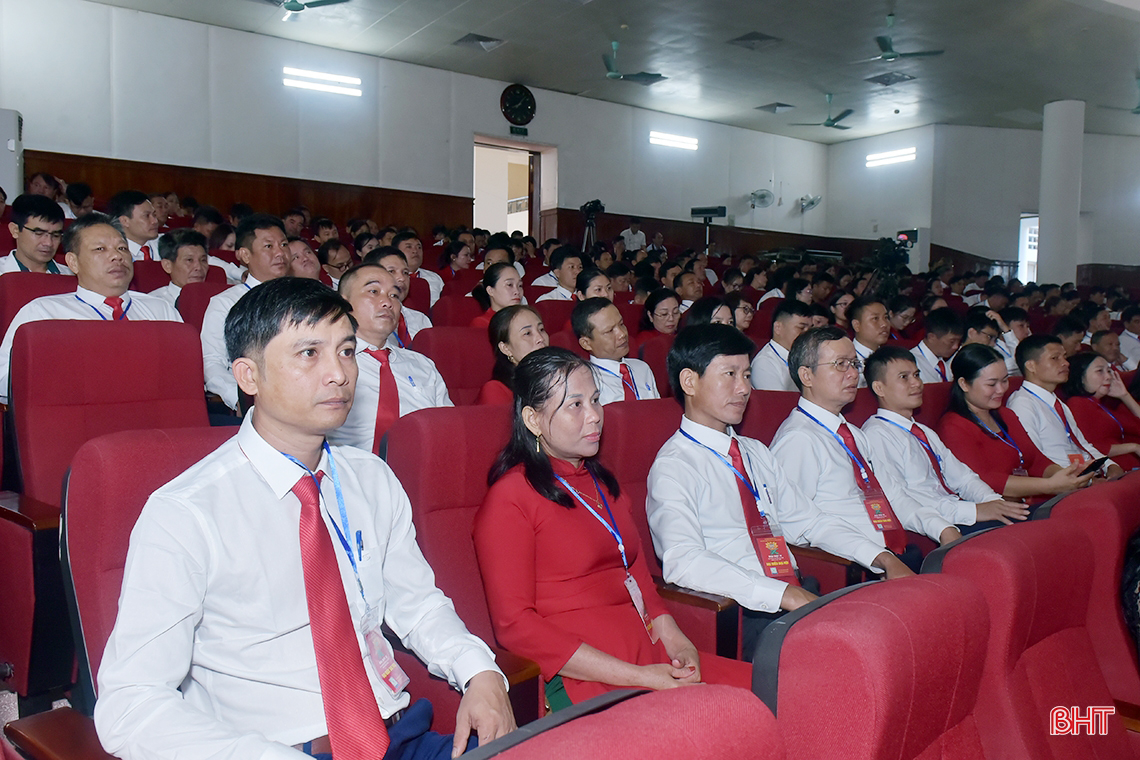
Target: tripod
[{"x": 591, "y": 235}]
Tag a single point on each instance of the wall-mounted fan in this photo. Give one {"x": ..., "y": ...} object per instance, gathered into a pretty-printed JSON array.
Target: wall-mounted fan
[
  {"x": 887, "y": 50},
  {"x": 643, "y": 78},
  {"x": 1135, "y": 111},
  {"x": 828, "y": 122},
  {"x": 808, "y": 202},
  {"x": 762, "y": 198},
  {"x": 293, "y": 7}
]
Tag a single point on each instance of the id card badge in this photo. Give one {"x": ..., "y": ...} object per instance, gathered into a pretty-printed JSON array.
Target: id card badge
[
  {"x": 1020, "y": 471},
  {"x": 390, "y": 672},
  {"x": 878, "y": 509},
  {"x": 639, "y": 605},
  {"x": 774, "y": 555},
  {"x": 1076, "y": 459}
]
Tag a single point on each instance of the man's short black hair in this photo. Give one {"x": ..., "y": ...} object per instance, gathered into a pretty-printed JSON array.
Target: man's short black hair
[
  {"x": 249, "y": 225},
  {"x": 1070, "y": 325},
  {"x": 77, "y": 192},
  {"x": 1030, "y": 349},
  {"x": 262, "y": 313},
  {"x": 327, "y": 247},
  {"x": 383, "y": 252},
  {"x": 240, "y": 211},
  {"x": 695, "y": 348},
  {"x": 790, "y": 307},
  {"x": 943, "y": 321},
  {"x": 977, "y": 321},
  {"x": 208, "y": 215},
  {"x": 323, "y": 223},
  {"x": 583, "y": 310},
  {"x": 876, "y": 365},
  {"x": 400, "y": 237},
  {"x": 71, "y": 235},
  {"x": 27, "y": 207},
  {"x": 1098, "y": 336},
  {"x": 1011, "y": 314},
  {"x": 561, "y": 253},
  {"x": 805, "y": 350},
  {"x": 1129, "y": 313},
  {"x": 123, "y": 204},
  {"x": 856, "y": 308},
  {"x": 169, "y": 243}
]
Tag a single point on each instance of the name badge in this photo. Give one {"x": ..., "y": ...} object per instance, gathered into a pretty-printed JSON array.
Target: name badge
[
  {"x": 773, "y": 553},
  {"x": 383, "y": 661},
  {"x": 1076, "y": 458},
  {"x": 879, "y": 510},
  {"x": 639, "y": 605},
  {"x": 1020, "y": 471}
]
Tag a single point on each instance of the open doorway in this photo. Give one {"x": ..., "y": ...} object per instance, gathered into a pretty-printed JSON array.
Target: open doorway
[
  {"x": 1027, "y": 248},
  {"x": 504, "y": 188}
]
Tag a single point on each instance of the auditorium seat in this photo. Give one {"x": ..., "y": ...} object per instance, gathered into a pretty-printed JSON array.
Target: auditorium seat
[
  {"x": 880, "y": 670},
  {"x": 630, "y": 315},
  {"x": 455, "y": 311},
  {"x": 228, "y": 256},
  {"x": 194, "y": 299},
  {"x": 1036, "y": 579},
  {"x": 463, "y": 282},
  {"x": 531, "y": 293},
  {"x": 654, "y": 352},
  {"x": 419, "y": 296},
  {"x": 935, "y": 400},
  {"x": 555, "y": 314},
  {"x": 862, "y": 408},
  {"x": 20, "y": 288},
  {"x": 1014, "y": 383},
  {"x": 463, "y": 357},
  {"x": 568, "y": 340}
]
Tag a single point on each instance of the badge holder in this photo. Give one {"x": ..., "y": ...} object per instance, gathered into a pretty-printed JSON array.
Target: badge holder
[
  {"x": 878, "y": 510},
  {"x": 380, "y": 652},
  {"x": 639, "y": 605},
  {"x": 773, "y": 552}
]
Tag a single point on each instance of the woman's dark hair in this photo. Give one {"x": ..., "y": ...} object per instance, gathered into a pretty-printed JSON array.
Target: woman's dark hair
[
  {"x": 219, "y": 235},
  {"x": 652, "y": 302},
  {"x": 968, "y": 363},
  {"x": 1078, "y": 366},
  {"x": 733, "y": 301},
  {"x": 541, "y": 379},
  {"x": 361, "y": 240},
  {"x": 499, "y": 331},
  {"x": 748, "y": 279},
  {"x": 582, "y": 284},
  {"x": 450, "y": 251},
  {"x": 491, "y": 277},
  {"x": 702, "y": 310}
]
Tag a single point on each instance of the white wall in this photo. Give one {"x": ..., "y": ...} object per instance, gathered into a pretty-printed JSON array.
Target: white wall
[{"x": 123, "y": 84}]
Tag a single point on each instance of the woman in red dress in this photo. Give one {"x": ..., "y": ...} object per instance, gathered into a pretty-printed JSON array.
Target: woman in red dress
[
  {"x": 565, "y": 574},
  {"x": 455, "y": 257},
  {"x": 993, "y": 445},
  {"x": 1105, "y": 412},
  {"x": 501, "y": 287},
  {"x": 514, "y": 332}
]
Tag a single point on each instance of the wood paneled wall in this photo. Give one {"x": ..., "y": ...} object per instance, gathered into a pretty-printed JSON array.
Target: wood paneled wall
[
  {"x": 220, "y": 189},
  {"x": 962, "y": 261}
]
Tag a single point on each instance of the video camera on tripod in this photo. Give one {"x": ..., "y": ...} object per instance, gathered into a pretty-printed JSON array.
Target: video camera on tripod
[{"x": 590, "y": 210}]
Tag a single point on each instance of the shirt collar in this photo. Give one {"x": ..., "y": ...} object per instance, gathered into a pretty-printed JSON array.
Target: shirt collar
[
  {"x": 865, "y": 352},
  {"x": 715, "y": 440},
  {"x": 1130, "y": 334},
  {"x": 251, "y": 281},
  {"x": 780, "y": 350},
  {"x": 91, "y": 297},
  {"x": 1048, "y": 396},
  {"x": 279, "y": 473},
  {"x": 613, "y": 365},
  {"x": 829, "y": 420},
  {"x": 895, "y": 417}
]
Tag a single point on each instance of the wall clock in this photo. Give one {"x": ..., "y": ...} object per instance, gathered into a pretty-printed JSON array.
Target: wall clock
[{"x": 517, "y": 104}]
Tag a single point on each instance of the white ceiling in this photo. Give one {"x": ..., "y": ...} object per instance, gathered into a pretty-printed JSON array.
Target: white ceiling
[{"x": 1004, "y": 60}]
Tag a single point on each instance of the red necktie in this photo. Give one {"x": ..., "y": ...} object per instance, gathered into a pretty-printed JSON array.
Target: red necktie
[
  {"x": 356, "y": 728},
  {"x": 145, "y": 251},
  {"x": 630, "y": 388},
  {"x": 1060, "y": 409},
  {"x": 942, "y": 370},
  {"x": 116, "y": 305},
  {"x": 402, "y": 333},
  {"x": 918, "y": 433},
  {"x": 895, "y": 538},
  {"x": 388, "y": 408},
  {"x": 751, "y": 509}
]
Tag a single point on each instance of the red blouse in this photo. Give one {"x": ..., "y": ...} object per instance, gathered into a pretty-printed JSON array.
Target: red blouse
[
  {"x": 495, "y": 392},
  {"x": 1104, "y": 427},
  {"x": 483, "y": 321},
  {"x": 993, "y": 459}
]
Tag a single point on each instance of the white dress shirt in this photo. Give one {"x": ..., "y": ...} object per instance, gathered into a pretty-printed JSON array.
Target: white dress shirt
[
  {"x": 1006, "y": 345},
  {"x": 83, "y": 304},
  {"x": 215, "y": 360},
  {"x": 928, "y": 364},
  {"x": 1039, "y": 418},
  {"x": 414, "y": 321},
  {"x": 814, "y": 460},
  {"x": 233, "y": 272},
  {"x": 710, "y": 275},
  {"x": 434, "y": 281},
  {"x": 611, "y": 387},
  {"x": 558, "y": 294},
  {"x": 10, "y": 263},
  {"x": 685, "y": 306},
  {"x": 773, "y": 293},
  {"x": 863, "y": 352},
  {"x": 548, "y": 280},
  {"x": 418, "y": 381},
  {"x": 168, "y": 293},
  {"x": 211, "y": 654},
  {"x": 902, "y": 456},
  {"x": 770, "y": 369},
  {"x": 634, "y": 241},
  {"x": 1130, "y": 345},
  {"x": 136, "y": 250},
  {"x": 698, "y": 525}
]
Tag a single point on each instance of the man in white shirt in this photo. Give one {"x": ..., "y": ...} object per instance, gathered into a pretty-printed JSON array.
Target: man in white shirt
[
  {"x": 408, "y": 243},
  {"x": 140, "y": 224},
  {"x": 633, "y": 236},
  {"x": 410, "y": 321},
  {"x": 37, "y": 227},
  {"x": 1107, "y": 344},
  {"x": 777, "y": 282},
  {"x": 97, "y": 252},
  {"x": 237, "y": 639},
  {"x": 184, "y": 258},
  {"x": 1045, "y": 417},
  {"x": 831, "y": 461},
  {"x": 790, "y": 320},
  {"x": 701, "y": 510},
  {"x": 1130, "y": 338},
  {"x": 602, "y": 334},
  {"x": 80, "y": 200},
  {"x": 1016, "y": 322},
  {"x": 936, "y": 350},
  {"x": 303, "y": 262},
  {"x": 393, "y": 381},
  {"x": 689, "y": 286},
  {"x": 871, "y": 325},
  {"x": 658, "y": 244},
  {"x": 262, "y": 248},
  {"x": 565, "y": 265},
  {"x": 914, "y": 455},
  {"x": 335, "y": 259}
]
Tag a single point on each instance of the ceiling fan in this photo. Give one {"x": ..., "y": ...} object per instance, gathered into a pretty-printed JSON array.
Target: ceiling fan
[
  {"x": 292, "y": 7},
  {"x": 1135, "y": 110},
  {"x": 642, "y": 77},
  {"x": 828, "y": 122},
  {"x": 888, "y": 53}
]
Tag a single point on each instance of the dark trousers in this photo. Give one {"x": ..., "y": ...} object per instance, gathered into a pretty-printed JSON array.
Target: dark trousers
[
  {"x": 755, "y": 622},
  {"x": 411, "y": 738}
]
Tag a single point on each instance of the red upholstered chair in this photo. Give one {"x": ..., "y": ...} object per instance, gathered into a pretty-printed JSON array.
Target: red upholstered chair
[
  {"x": 880, "y": 670},
  {"x": 630, "y": 314},
  {"x": 1014, "y": 384},
  {"x": 463, "y": 282},
  {"x": 531, "y": 293},
  {"x": 861, "y": 409},
  {"x": 654, "y": 352},
  {"x": 555, "y": 314},
  {"x": 1036, "y": 578},
  {"x": 228, "y": 256},
  {"x": 935, "y": 400},
  {"x": 568, "y": 340},
  {"x": 455, "y": 311},
  {"x": 419, "y": 296},
  {"x": 442, "y": 457},
  {"x": 20, "y": 288},
  {"x": 149, "y": 275},
  {"x": 462, "y": 355},
  {"x": 194, "y": 299},
  {"x": 633, "y": 434}
]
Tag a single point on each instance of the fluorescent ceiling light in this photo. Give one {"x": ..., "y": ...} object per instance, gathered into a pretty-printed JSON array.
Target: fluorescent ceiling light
[
  {"x": 891, "y": 157},
  {"x": 673, "y": 141},
  {"x": 322, "y": 87},
  {"x": 320, "y": 75}
]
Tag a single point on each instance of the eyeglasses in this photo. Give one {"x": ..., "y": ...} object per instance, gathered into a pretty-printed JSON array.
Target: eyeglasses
[
  {"x": 844, "y": 364},
  {"x": 746, "y": 309},
  {"x": 340, "y": 267},
  {"x": 990, "y": 338},
  {"x": 36, "y": 232},
  {"x": 665, "y": 314}
]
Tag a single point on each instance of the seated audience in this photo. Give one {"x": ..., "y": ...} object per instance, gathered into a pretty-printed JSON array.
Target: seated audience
[
  {"x": 662, "y": 313},
  {"x": 80, "y": 200},
  {"x": 621, "y": 277},
  {"x": 364, "y": 243},
  {"x": 838, "y": 309},
  {"x": 514, "y": 332},
  {"x": 710, "y": 309},
  {"x": 455, "y": 258},
  {"x": 901, "y": 313},
  {"x": 689, "y": 287},
  {"x": 303, "y": 262},
  {"x": 184, "y": 258},
  {"x": 822, "y": 286},
  {"x": 1116, "y": 433},
  {"x": 593, "y": 283},
  {"x": 206, "y": 219},
  {"x": 140, "y": 224},
  {"x": 501, "y": 287},
  {"x": 742, "y": 310},
  {"x": 36, "y": 224},
  {"x": 868, "y": 316},
  {"x": 800, "y": 289},
  {"x": 1130, "y": 337},
  {"x": 408, "y": 243},
  {"x": 1070, "y": 330},
  {"x": 830, "y": 460},
  {"x": 335, "y": 259},
  {"x": 770, "y": 372},
  {"x": 324, "y": 230},
  {"x": 981, "y": 328},
  {"x": 778, "y": 284},
  {"x": 912, "y": 454},
  {"x": 574, "y": 592},
  {"x": 223, "y": 238},
  {"x": 565, "y": 265},
  {"x": 1107, "y": 344},
  {"x": 293, "y": 221},
  {"x": 935, "y": 351},
  {"x": 598, "y": 325},
  {"x": 97, "y": 253},
  {"x": 732, "y": 281},
  {"x": 234, "y": 638},
  {"x": 410, "y": 321}
]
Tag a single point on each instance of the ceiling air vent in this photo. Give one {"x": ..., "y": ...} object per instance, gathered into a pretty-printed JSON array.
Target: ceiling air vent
[
  {"x": 776, "y": 107},
  {"x": 478, "y": 42},
  {"x": 891, "y": 77},
  {"x": 755, "y": 41}
]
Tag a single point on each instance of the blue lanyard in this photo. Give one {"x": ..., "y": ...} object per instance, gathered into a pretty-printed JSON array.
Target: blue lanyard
[
  {"x": 1104, "y": 409},
  {"x": 343, "y": 513},
  {"x": 612, "y": 529},
  {"x": 1060, "y": 416},
  {"x": 623, "y": 381},
  {"x": 1002, "y": 436},
  {"x": 777, "y": 353},
  {"x": 998, "y": 344},
  {"x": 740, "y": 476},
  {"x": 854, "y": 458},
  {"x": 926, "y": 446},
  {"x": 937, "y": 359},
  {"x": 96, "y": 310}
]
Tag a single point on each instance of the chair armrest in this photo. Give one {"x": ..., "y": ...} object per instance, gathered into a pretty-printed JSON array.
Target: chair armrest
[
  {"x": 702, "y": 599},
  {"x": 61, "y": 734},
  {"x": 28, "y": 512},
  {"x": 517, "y": 669},
  {"x": 807, "y": 552},
  {"x": 1129, "y": 714}
]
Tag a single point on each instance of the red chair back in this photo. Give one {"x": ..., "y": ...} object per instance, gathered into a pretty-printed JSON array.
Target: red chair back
[
  {"x": 531, "y": 293},
  {"x": 463, "y": 282},
  {"x": 455, "y": 311},
  {"x": 935, "y": 400},
  {"x": 463, "y": 357},
  {"x": 654, "y": 352},
  {"x": 765, "y": 412},
  {"x": 20, "y": 288},
  {"x": 630, "y": 315},
  {"x": 861, "y": 409},
  {"x": 216, "y": 274},
  {"x": 227, "y": 256},
  {"x": 568, "y": 340},
  {"x": 118, "y": 376},
  {"x": 1014, "y": 384},
  {"x": 149, "y": 276},
  {"x": 111, "y": 478},
  {"x": 555, "y": 314},
  {"x": 194, "y": 299},
  {"x": 419, "y": 296}
]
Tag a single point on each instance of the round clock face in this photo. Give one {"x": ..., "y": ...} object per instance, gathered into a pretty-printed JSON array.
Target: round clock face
[{"x": 517, "y": 104}]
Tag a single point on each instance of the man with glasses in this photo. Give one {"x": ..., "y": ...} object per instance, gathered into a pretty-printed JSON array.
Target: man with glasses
[
  {"x": 335, "y": 259},
  {"x": 981, "y": 328},
  {"x": 830, "y": 460},
  {"x": 37, "y": 227}
]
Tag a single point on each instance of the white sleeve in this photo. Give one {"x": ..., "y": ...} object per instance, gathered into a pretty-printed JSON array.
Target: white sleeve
[{"x": 219, "y": 376}]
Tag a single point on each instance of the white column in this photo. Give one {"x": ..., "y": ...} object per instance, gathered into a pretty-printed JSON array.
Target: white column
[{"x": 1062, "y": 145}]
